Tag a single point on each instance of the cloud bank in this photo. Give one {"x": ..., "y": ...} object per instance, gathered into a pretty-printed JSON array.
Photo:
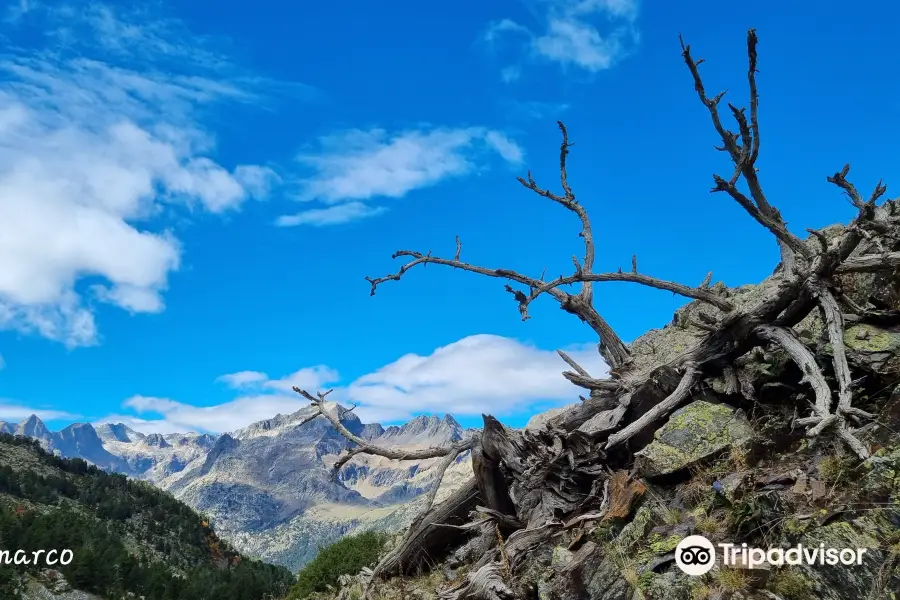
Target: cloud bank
[{"x": 479, "y": 373}]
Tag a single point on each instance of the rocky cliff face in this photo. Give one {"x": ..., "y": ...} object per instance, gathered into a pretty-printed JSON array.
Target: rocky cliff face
[{"x": 268, "y": 487}]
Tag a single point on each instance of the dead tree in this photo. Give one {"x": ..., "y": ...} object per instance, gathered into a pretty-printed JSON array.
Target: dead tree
[{"x": 535, "y": 484}]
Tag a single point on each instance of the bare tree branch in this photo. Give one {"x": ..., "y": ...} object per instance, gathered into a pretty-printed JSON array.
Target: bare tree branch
[
  {"x": 365, "y": 447},
  {"x": 804, "y": 359},
  {"x": 590, "y": 383},
  {"x": 870, "y": 263},
  {"x": 442, "y": 467},
  {"x": 698, "y": 293},
  {"x": 744, "y": 155},
  {"x": 834, "y": 325},
  {"x": 840, "y": 180},
  {"x": 812, "y": 374},
  {"x": 786, "y": 238},
  {"x": 612, "y": 347},
  {"x": 663, "y": 409},
  {"x": 540, "y": 287},
  {"x": 578, "y": 368}
]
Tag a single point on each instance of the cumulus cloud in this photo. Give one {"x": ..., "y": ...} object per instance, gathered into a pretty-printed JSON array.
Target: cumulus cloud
[
  {"x": 470, "y": 376},
  {"x": 593, "y": 35},
  {"x": 94, "y": 156},
  {"x": 475, "y": 374},
  {"x": 355, "y": 166}
]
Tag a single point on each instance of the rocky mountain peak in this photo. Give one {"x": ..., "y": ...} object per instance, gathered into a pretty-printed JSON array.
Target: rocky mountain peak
[
  {"x": 117, "y": 432},
  {"x": 82, "y": 440},
  {"x": 156, "y": 440},
  {"x": 371, "y": 431},
  {"x": 223, "y": 446},
  {"x": 424, "y": 429},
  {"x": 33, "y": 427}
]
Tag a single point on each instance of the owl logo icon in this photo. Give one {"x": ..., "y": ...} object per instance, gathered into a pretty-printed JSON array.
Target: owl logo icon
[{"x": 695, "y": 555}]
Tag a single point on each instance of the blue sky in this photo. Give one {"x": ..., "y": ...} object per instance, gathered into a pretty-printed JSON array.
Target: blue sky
[{"x": 191, "y": 194}]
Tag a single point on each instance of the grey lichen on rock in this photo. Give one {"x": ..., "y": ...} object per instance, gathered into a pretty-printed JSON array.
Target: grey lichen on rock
[
  {"x": 857, "y": 581},
  {"x": 693, "y": 433},
  {"x": 881, "y": 475}
]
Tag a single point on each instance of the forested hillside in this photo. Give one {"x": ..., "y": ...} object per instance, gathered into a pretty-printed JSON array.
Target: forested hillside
[{"x": 124, "y": 536}]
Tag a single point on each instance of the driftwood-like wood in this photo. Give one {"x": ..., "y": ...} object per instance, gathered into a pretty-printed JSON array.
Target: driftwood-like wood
[
  {"x": 491, "y": 482},
  {"x": 426, "y": 540},
  {"x": 664, "y": 408},
  {"x": 484, "y": 584},
  {"x": 530, "y": 485}
]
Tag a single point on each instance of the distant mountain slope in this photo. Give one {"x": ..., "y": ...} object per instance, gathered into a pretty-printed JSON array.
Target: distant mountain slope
[
  {"x": 268, "y": 487},
  {"x": 125, "y": 537}
]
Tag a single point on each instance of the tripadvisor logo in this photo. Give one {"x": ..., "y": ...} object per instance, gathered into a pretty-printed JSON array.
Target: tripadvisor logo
[{"x": 696, "y": 555}]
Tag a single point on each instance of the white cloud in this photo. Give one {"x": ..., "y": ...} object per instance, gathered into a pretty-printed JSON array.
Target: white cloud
[
  {"x": 2, "y": 363},
  {"x": 480, "y": 373},
  {"x": 177, "y": 417},
  {"x": 309, "y": 377},
  {"x": 504, "y": 146},
  {"x": 141, "y": 35},
  {"x": 333, "y": 215},
  {"x": 13, "y": 412},
  {"x": 243, "y": 378},
  {"x": 94, "y": 157},
  {"x": 593, "y": 35},
  {"x": 357, "y": 165},
  {"x": 500, "y": 28},
  {"x": 266, "y": 398}
]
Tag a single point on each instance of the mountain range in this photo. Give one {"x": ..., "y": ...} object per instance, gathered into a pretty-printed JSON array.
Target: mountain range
[{"x": 269, "y": 488}]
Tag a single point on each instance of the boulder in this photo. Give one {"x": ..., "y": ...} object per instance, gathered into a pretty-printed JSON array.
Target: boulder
[{"x": 693, "y": 433}]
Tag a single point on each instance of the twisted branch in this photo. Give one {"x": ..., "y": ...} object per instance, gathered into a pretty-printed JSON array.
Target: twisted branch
[
  {"x": 744, "y": 155},
  {"x": 813, "y": 375},
  {"x": 365, "y": 447}
]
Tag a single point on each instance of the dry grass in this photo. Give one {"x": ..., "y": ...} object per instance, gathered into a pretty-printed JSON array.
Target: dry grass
[
  {"x": 710, "y": 526},
  {"x": 701, "y": 591},
  {"x": 672, "y": 515},
  {"x": 789, "y": 585},
  {"x": 739, "y": 459},
  {"x": 702, "y": 477},
  {"x": 730, "y": 580},
  {"x": 835, "y": 469}
]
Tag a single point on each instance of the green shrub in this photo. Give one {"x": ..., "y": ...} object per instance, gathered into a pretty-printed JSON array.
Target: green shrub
[{"x": 347, "y": 556}]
